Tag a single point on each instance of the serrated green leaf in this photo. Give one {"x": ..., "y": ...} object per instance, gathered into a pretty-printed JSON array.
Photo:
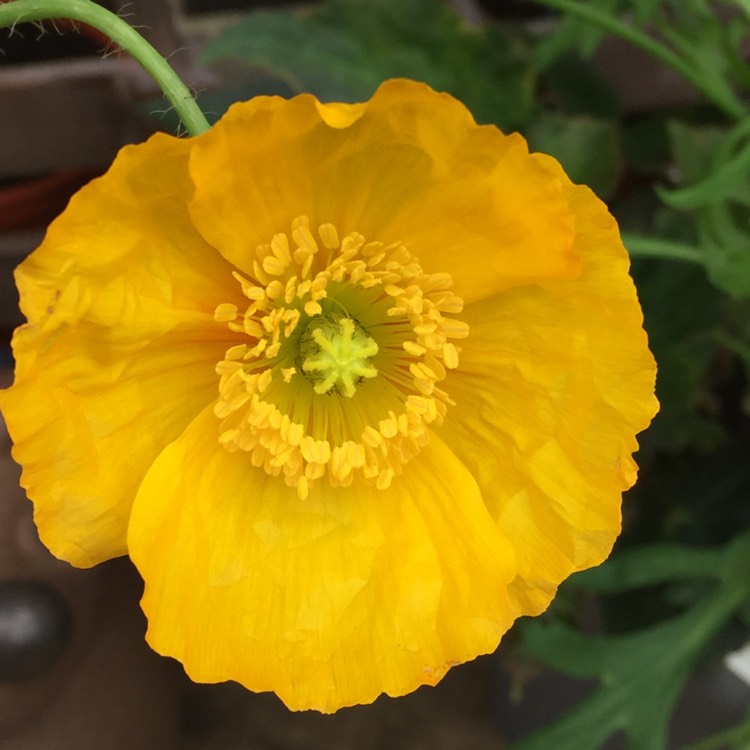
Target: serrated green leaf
[
  {"x": 716, "y": 168},
  {"x": 641, "y": 673},
  {"x": 709, "y": 45},
  {"x": 730, "y": 180},
  {"x": 727, "y": 244}
]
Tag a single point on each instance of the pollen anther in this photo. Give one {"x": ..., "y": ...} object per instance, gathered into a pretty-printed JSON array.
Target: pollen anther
[{"x": 334, "y": 375}]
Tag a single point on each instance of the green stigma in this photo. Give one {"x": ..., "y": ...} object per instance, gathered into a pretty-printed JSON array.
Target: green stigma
[{"x": 335, "y": 353}]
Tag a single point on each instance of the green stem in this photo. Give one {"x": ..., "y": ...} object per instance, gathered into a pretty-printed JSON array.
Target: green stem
[
  {"x": 586, "y": 12},
  {"x": 21, "y": 11},
  {"x": 642, "y": 246}
]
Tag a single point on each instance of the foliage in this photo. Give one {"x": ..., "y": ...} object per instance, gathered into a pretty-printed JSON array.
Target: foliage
[
  {"x": 344, "y": 49},
  {"x": 641, "y": 673},
  {"x": 678, "y": 180}
]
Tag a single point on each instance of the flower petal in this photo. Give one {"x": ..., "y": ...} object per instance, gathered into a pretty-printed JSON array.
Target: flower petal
[
  {"x": 327, "y": 601},
  {"x": 410, "y": 165},
  {"x": 119, "y": 350},
  {"x": 554, "y": 383}
]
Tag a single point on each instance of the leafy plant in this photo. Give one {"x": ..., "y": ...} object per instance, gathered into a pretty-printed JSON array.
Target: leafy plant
[{"x": 641, "y": 673}]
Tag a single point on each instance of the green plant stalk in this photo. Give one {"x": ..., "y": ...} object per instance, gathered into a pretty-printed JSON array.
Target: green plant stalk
[
  {"x": 645, "y": 246},
  {"x": 724, "y": 99},
  {"x": 122, "y": 34}
]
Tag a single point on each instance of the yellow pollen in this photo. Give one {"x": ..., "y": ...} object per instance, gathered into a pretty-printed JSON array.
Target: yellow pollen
[{"x": 324, "y": 314}]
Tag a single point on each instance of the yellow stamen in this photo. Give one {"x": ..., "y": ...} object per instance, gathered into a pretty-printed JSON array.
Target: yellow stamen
[{"x": 339, "y": 312}]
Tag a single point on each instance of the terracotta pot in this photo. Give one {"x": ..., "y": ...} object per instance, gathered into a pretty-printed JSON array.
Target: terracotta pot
[{"x": 25, "y": 204}]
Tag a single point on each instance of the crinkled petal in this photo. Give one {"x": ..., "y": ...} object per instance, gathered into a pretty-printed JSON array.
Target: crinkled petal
[
  {"x": 410, "y": 165},
  {"x": 554, "y": 383},
  {"x": 119, "y": 350},
  {"x": 328, "y": 601}
]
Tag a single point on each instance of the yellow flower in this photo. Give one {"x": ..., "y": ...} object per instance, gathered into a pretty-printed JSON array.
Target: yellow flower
[{"x": 355, "y": 386}]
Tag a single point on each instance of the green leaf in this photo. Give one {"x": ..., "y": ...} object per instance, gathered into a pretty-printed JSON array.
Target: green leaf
[
  {"x": 306, "y": 55},
  {"x": 497, "y": 83},
  {"x": 715, "y": 166},
  {"x": 730, "y": 180},
  {"x": 346, "y": 48},
  {"x": 707, "y": 43},
  {"x": 694, "y": 149},
  {"x": 645, "y": 10},
  {"x": 736, "y": 39},
  {"x": 641, "y": 673},
  {"x": 726, "y": 237},
  {"x": 589, "y": 149},
  {"x": 646, "y": 566},
  {"x": 572, "y": 34}
]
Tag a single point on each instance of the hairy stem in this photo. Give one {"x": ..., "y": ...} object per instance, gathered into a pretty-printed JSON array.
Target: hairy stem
[{"x": 122, "y": 34}]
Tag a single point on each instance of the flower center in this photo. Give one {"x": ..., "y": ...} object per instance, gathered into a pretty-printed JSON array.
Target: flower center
[
  {"x": 336, "y": 354},
  {"x": 334, "y": 376}
]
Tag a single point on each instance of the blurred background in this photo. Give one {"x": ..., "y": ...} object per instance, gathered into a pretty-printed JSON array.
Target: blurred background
[{"x": 646, "y": 101}]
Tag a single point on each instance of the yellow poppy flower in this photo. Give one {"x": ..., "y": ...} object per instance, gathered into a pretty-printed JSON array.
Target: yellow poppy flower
[{"x": 355, "y": 386}]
